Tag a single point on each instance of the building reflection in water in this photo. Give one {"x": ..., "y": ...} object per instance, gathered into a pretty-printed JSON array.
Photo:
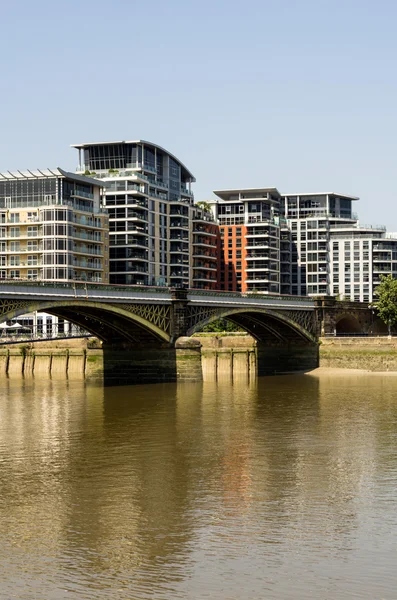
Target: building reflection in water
[{"x": 167, "y": 489}]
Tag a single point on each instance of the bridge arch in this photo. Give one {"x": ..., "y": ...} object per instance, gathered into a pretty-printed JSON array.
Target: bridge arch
[
  {"x": 112, "y": 323},
  {"x": 347, "y": 323},
  {"x": 264, "y": 324}
]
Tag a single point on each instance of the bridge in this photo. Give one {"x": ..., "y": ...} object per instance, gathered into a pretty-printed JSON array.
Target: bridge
[{"x": 146, "y": 332}]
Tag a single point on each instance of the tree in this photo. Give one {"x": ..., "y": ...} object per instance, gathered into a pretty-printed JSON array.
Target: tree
[
  {"x": 221, "y": 326},
  {"x": 204, "y": 205},
  {"x": 386, "y": 305}
]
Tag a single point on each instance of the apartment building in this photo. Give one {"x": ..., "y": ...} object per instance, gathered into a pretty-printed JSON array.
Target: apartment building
[
  {"x": 52, "y": 227},
  {"x": 253, "y": 232},
  {"x": 332, "y": 254},
  {"x": 312, "y": 218},
  {"x": 157, "y": 235},
  {"x": 300, "y": 244},
  {"x": 359, "y": 256}
]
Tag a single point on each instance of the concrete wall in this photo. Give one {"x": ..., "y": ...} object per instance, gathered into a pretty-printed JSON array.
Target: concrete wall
[{"x": 371, "y": 354}]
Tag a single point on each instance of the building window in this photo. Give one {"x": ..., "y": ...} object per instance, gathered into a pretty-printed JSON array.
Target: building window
[
  {"x": 15, "y": 274},
  {"x": 14, "y": 232},
  {"x": 32, "y": 260},
  {"x": 32, "y": 273},
  {"x": 32, "y": 231},
  {"x": 14, "y": 261},
  {"x": 14, "y": 218}
]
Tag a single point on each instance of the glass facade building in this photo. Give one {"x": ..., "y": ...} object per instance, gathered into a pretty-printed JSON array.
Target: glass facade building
[
  {"x": 52, "y": 227},
  {"x": 157, "y": 235}
]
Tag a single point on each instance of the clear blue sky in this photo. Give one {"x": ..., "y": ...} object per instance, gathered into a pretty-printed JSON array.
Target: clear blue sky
[{"x": 298, "y": 94}]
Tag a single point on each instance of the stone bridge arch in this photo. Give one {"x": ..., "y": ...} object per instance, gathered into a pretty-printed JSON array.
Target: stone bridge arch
[
  {"x": 114, "y": 324},
  {"x": 346, "y": 323}
]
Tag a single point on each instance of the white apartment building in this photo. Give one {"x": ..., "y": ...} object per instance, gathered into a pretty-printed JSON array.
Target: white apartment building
[
  {"x": 332, "y": 254},
  {"x": 359, "y": 257},
  {"x": 311, "y": 219}
]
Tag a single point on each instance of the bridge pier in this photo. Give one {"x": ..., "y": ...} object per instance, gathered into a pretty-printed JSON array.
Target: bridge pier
[
  {"x": 188, "y": 359},
  {"x": 144, "y": 365},
  {"x": 273, "y": 359}
]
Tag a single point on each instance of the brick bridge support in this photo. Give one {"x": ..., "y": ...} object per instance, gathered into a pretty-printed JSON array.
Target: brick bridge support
[{"x": 336, "y": 317}]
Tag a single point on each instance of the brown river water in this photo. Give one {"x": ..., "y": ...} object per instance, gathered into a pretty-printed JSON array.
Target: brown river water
[{"x": 282, "y": 488}]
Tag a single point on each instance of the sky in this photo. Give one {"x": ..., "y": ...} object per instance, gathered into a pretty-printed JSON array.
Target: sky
[{"x": 296, "y": 94}]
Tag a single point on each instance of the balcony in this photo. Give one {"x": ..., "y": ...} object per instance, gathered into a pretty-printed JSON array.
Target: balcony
[
  {"x": 204, "y": 253},
  {"x": 186, "y": 191},
  {"x": 203, "y": 241},
  {"x": 200, "y": 229},
  {"x": 262, "y": 267},
  {"x": 175, "y": 248},
  {"x": 84, "y": 250},
  {"x": 268, "y": 255},
  {"x": 141, "y": 216},
  {"x": 184, "y": 223},
  {"x": 261, "y": 278},
  {"x": 382, "y": 268},
  {"x": 204, "y": 277},
  {"x": 87, "y": 222},
  {"x": 137, "y": 229},
  {"x": 23, "y": 249},
  {"x": 178, "y": 260},
  {"x": 179, "y": 211},
  {"x": 175, "y": 235},
  {"x": 86, "y": 236},
  {"x": 261, "y": 244}
]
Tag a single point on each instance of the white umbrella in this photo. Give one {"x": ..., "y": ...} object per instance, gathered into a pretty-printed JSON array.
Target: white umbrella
[
  {"x": 17, "y": 326},
  {"x": 13, "y": 326}
]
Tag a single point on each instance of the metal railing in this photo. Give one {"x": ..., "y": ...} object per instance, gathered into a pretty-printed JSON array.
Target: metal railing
[{"x": 38, "y": 333}]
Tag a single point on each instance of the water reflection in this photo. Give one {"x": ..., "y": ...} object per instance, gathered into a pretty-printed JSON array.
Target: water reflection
[{"x": 280, "y": 487}]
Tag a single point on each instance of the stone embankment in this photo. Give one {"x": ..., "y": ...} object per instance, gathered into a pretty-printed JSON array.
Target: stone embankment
[
  {"x": 77, "y": 358},
  {"x": 368, "y": 353},
  {"x": 224, "y": 356},
  {"x": 208, "y": 356}
]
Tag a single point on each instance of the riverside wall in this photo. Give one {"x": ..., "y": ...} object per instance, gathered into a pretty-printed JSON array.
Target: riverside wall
[
  {"x": 206, "y": 356},
  {"x": 368, "y": 353},
  {"x": 74, "y": 359}
]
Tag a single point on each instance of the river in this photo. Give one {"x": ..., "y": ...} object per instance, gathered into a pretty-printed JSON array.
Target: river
[{"x": 282, "y": 488}]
